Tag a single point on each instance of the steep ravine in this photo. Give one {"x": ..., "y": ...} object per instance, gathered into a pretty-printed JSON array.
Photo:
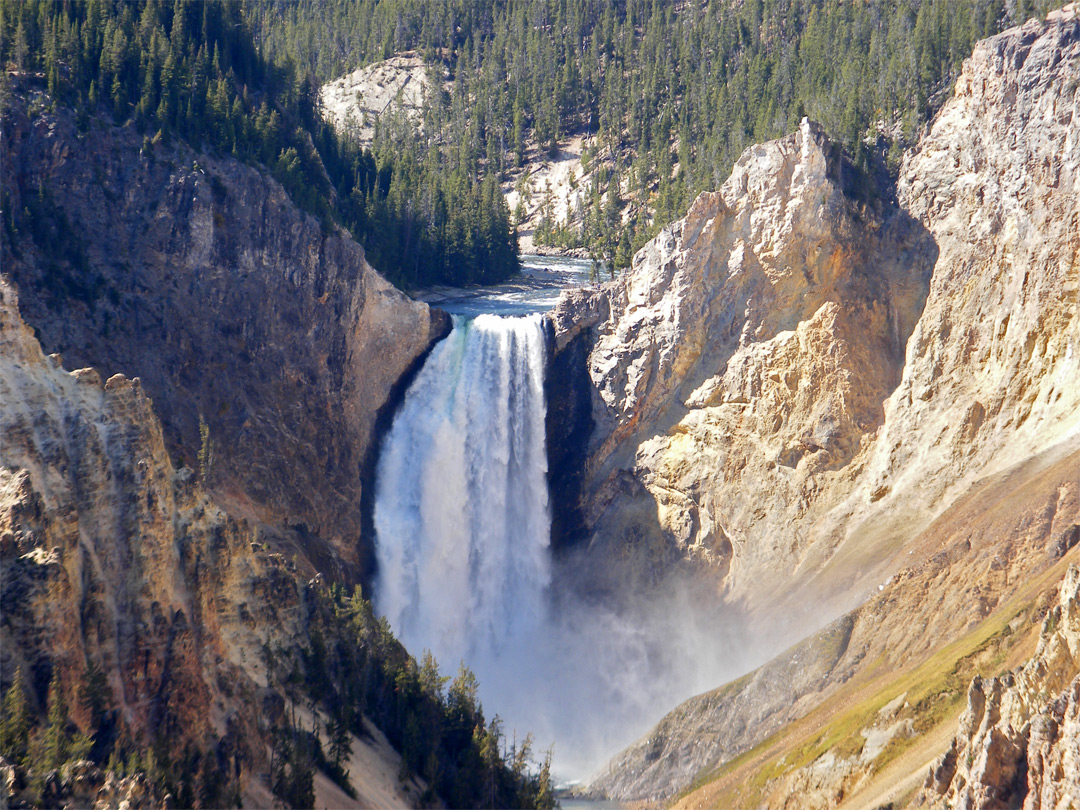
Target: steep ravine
[
  {"x": 197, "y": 274},
  {"x": 810, "y": 400}
]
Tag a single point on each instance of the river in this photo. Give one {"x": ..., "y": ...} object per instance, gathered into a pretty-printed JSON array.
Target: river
[{"x": 536, "y": 290}]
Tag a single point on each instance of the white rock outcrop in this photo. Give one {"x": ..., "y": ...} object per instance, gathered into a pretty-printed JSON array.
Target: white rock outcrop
[{"x": 354, "y": 103}]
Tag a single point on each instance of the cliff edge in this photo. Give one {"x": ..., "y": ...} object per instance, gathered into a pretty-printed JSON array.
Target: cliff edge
[
  {"x": 904, "y": 405},
  {"x": 268, "y": 345}
]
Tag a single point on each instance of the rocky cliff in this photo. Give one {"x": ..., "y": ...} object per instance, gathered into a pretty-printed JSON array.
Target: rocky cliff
[
  {"x": 766, "y": 379},
  {"x": 740, "y": 367},
  {"x": 113, "y": 561},
  {"x": 1018, "y": 740},
  {"x": 795, "y": 390},
  {"x": 236, "y": 310},
  {"x": 398, "y": 86}
]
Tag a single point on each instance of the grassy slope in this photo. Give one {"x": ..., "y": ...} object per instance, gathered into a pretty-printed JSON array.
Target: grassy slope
[
  {"x": 935, "y": 688},
  {"x": 990, "y": 526}
]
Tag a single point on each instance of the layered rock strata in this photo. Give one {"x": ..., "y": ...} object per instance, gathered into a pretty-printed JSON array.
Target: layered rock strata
[{"x": 236, "y": 310}]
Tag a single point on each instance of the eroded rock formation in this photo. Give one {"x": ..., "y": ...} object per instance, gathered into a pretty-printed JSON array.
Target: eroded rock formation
[
  {"x": 758, "y": 404},
  {"x": 198, "y": 275},
  {"x": 742, "y": 364},
  {"x": 113, "y": 558},
  {"x": 781, "y": 465},
  {"x": 113, "y": 561},
  {"x": 1018, "y": 741}
]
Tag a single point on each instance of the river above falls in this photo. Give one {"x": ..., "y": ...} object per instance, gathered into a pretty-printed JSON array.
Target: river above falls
[{"x": 536, "y": 289}]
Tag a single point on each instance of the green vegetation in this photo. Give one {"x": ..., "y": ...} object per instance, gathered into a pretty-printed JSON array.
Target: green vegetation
[
  {"x": 192, "y": 69},
  {"x": 355, "y": 668},
  {"x": 352, "y": 671},
  {"x": 39, "y": 746},
  {"x": 673, "y": 92},
  {"x": 934, "y": 691}
]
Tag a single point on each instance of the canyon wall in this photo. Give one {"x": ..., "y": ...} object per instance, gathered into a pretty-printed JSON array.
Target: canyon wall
[
  {"x": 998, "y": 548},
  {"x": 1018, "y": 741},
  {"x": 114, "y": 559},
  {"x": 905, "y": 436},
  {"x": 235, "y": 309},
  {"x": 795, "y": 379},
  {"x": 117, "y": 564}
]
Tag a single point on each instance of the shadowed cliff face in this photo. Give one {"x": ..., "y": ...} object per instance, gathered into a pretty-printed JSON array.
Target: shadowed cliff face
[{"x": 199, "y": 276}]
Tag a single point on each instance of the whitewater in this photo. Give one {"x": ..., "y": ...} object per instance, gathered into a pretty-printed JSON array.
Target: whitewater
[
  {"x": 465, "y": 570},
  {"x": 461, "y": 511}
]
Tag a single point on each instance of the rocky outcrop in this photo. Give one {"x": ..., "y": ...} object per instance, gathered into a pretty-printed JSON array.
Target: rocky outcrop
[
  {"x": 197, "y": 274},
  {"x": 397, "y": 86},
  {"x": 755, "y": 390},
  {"x": 1018, "y": 741},
  {"x": 113, "y": 559},
  {"x": 801, "y": 460},
  {"x": 83, "y": 784},
  {"x": 740, "y": 366}
]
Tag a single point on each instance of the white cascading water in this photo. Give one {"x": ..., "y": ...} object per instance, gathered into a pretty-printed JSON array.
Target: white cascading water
[
  {"x": 461, "y": 504},
  {"x": 462, "y": 533}
]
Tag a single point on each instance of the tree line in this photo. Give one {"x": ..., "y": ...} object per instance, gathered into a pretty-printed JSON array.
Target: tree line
[
  {"x": 672, "y": 92},
  {"x": 352, "y": 670},
  {"x": 192, "y": 70}
]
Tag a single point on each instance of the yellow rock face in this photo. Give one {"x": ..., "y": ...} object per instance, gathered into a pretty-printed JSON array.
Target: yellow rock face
[{"x": 801, "y": 380}]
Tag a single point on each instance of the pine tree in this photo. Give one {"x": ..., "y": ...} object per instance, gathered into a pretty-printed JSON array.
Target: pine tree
[
  {"x": 339, "y": 738},
  {"x": 16, "y": 721},
  {"x": 57, "y": 741}
]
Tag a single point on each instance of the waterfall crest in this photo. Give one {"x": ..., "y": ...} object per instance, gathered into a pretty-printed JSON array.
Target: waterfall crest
[{"x": 461, "y": 503}]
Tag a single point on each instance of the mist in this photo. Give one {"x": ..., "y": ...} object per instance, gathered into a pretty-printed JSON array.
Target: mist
[{"x": 462, "y": 521}]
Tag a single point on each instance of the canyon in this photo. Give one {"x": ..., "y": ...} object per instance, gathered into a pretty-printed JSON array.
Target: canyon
[
  {"x": 841, "y": 416},
  {"x": 885, "y": 396}
]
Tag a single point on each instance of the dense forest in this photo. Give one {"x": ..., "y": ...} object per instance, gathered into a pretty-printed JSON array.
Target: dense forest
[
  {"x": 672, "y": 92},
  {"x": 192, "y": 70}
]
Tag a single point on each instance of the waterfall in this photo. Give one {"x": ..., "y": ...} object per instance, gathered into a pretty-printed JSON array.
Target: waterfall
[
  {"x": 461, "y": 504},
  {"x": 462, "y": 531}
]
